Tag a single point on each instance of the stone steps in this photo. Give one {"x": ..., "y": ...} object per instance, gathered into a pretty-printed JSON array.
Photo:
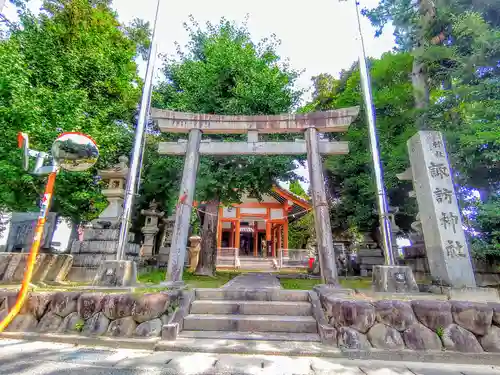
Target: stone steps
[
  {"x": 286, "y": 308},
  {"x": 268, "y": 336},
  {"x": 250, "y": 323},
  {"x": 251, "y": 307},
  {"x": 252, "y": 295}
]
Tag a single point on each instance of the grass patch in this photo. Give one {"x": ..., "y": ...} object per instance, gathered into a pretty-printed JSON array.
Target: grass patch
[
  {"x": 358, "y": 283},
  {"x": 152, "y": 277},
  {"x": 307, "y": 284},
  {"x": 221, "y": 278},
  {"x": 300, "y": 284},
  {"x": 192, "y": 280}
]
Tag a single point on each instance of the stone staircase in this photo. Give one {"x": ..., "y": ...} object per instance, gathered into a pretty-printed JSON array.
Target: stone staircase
[{"x": 257, "y": 314}]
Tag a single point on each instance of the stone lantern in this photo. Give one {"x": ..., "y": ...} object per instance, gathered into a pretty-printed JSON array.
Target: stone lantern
[
  {"x": 115, "y": 179},
  {"x": 150, "y": 228}
]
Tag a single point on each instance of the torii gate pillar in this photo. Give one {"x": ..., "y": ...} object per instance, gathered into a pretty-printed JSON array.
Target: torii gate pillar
[
  {"x": 180, "y": 231},
  {"x": 321, "y": 215}
]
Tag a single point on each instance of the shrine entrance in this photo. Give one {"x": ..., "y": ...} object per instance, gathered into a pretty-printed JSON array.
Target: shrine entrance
[
  {"x": 259, "y": 228},
  {"x": 310, "y": 124}
]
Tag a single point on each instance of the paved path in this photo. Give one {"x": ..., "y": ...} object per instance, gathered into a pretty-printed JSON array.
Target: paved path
[
  {"x": 41, "y": 358},
  {"x": 253, "y": 281}
]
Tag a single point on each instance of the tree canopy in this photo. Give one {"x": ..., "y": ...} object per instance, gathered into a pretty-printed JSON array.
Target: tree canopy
[
  {"x": 222, "y": 71},
  {"x": 70, "y": 68},
  {"x": 443, "y": 75},
  {"x": 349, "y": 177}
]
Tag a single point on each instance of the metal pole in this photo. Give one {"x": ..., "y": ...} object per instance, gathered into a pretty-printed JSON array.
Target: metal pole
[
  {"x": 136, "y": 153},
  {"x": 385, "y": 223},
  {"x": 143, "y": 149},
  {"x": 139, "y": 176}
]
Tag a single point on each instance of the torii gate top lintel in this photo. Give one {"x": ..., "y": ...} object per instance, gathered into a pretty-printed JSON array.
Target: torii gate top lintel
[{"x": 325, "y": 122}]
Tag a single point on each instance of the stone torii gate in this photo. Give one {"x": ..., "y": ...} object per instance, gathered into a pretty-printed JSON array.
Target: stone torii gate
[{"x": 311, "y": 124}]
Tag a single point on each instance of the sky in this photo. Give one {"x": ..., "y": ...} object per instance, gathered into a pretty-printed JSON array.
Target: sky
[{"x": 317, "y": 36}]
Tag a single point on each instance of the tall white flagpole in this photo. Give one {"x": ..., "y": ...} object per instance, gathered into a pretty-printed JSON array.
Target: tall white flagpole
[
  {"x": 383, "y": 209},
  {"x": 137, "y": 151}
]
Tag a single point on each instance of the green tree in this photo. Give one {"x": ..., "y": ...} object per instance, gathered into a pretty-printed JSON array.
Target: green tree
[
  {"x": 457, "y": 44},
  {"x": 70, "y": 68},
  {"x": 160, "y": 178},
  {"x": 297, "y": 189},
  {"x": 222, "y": 71},
  {"x": 349, "y": 178},
  {"x": 487, "y": 221},
  {"x": 301, "y": 232}
]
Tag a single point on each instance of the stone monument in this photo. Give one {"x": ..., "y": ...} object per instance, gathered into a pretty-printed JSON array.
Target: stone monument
[
  {"x": 22, "y": 230},
  {"x": 150, "y": 229},
  {"x": 445, "y": 242},
  {"x": 166, "y": 242},
  {"x": 100, "y": 240},
  {"x": 369, "y": 254}
]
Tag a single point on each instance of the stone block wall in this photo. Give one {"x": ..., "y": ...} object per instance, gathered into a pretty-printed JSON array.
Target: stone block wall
[
  {"x": 48, "y": 267},
  {"x": 368, "y": 258},
  {"x": 415, "y": 325},
  {"x": 93, "y": 314},
  {"x": 98, "y": 245},
  {"x": 486, "y": 273}
]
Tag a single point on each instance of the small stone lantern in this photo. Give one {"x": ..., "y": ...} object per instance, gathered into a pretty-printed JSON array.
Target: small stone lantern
[{"x": 150, "y": 228}]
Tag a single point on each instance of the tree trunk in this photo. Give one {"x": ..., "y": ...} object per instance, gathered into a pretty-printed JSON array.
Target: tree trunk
[
  {"x": 208, "y": 253},
  {"x": 420, "y": 91},
  {"x": 419, "y": 76}
]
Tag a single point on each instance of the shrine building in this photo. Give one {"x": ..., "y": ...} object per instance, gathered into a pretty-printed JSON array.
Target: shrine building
[{"x": 253, "y": 225}]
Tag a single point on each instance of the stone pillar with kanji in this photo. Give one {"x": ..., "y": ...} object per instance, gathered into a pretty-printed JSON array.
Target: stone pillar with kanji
[
  {"x": 444, "y": 236},
  {"x": 150, "y": 229}
]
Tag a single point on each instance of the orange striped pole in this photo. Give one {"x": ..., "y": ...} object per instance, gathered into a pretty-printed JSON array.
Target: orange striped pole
[{"x": 30, "y": 265}]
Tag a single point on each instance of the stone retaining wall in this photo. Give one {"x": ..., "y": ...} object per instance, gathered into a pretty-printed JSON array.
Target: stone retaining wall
[
  {"x": 416, "y": 325},
  {"x": 93, "y": 314}
]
